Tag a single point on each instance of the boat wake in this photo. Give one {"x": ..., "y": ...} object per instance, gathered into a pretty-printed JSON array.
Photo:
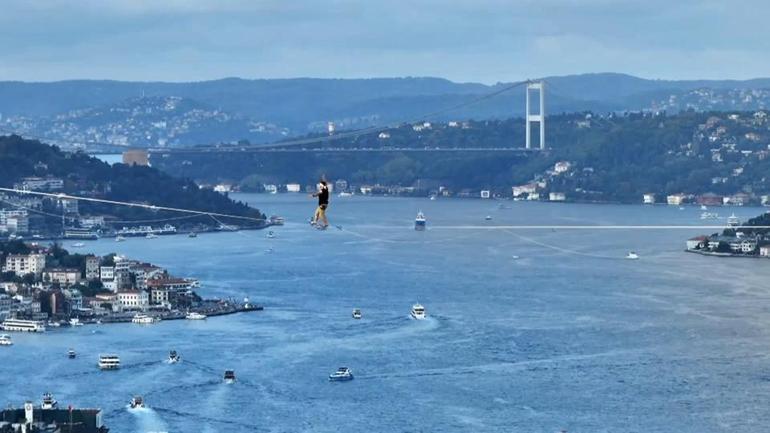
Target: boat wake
[{"x": 148, "y": 420}]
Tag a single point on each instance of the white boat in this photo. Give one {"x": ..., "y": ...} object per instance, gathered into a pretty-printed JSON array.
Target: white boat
[
  {"x": 709, "y": 216},
  {"x": 119, "y": 239},
  {"x": 345, "y": 194},
  {"x": 173, "y": 357},
  {"x": 342, "y": 374},
  {"x": 195, "y": 316},
  {"x": 20, "y": 325},
  {"x": 5, "y": 340},
  {"x": 75, "y": 322},
  {"x": 137, "y": 402},
  {"x": 418, "y": 312},
  {"x": 229, "y": 376},
  {"x": 433, "y": 197},
  {"x": 151, "y": 236},
  {"x": 192, "y": 235},
  {"x": 109, "y": 362},
  {"x": 357, "y": 313},
  {"x": 420, "y": 221},
  {"x": 143, "y": 319},
  {"x": 488, "y": 218},
  {"x": 703, "y": 207},
  {"x": 48, "y": 402},
  {"x": 515, "y": 257},
  {"x": 78, "y": 245},
  {"x": 733, "y": 221},
  {"x": 632, "y": 256},
  {"x": 71, "y": 354}
]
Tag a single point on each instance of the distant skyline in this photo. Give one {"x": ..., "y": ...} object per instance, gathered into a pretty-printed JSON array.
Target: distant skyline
[{"x": 484, "y": 41}]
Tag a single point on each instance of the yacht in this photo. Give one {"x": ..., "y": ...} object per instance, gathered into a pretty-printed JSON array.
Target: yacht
[
  {"x": 5, "y": 340},
  {"x": 229, "y": 376},
  {"x": 119, "y": 239},
  {"x": 23, "y": 325},
  {"x": 143, "y": 319},
  {"x": 733, "y": 221},
  {"x": 173, "y": 357},
  {"x": 75, "y": 322},
  {"x": 418, "y": 311},
  {"x": 420, "y": 221},
  {"x": 195, "y": 316},
  {"x": 137, "y": 402},
  {"x": 342, "y": 374},
  {"x": 357, "y": 313},
  {"x": 109, "y": 362},
  {"x": 632, "y": 256},
  {"x": 71, "y": 354},
  {"x": 48, "y": 402}
]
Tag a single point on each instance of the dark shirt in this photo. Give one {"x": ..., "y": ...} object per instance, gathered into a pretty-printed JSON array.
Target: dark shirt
[{"x": 323, "y": 195}]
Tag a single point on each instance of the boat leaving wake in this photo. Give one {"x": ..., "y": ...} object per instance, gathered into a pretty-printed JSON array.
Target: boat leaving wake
[{"x": 148, "y": 420}]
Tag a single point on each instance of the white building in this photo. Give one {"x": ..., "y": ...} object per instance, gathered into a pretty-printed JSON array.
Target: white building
[
  {"x": 384, "y": 135},
  {"x": 557, "y": 196},
  {"x": 675, "y": 199},
  {"x": 524, "y": 189},
  {"x": 92, "y": 267},
  {"x": 272, "y": 189},
  {"x": 40, "y": 184},
  {"x": 133, "y": 299},
  {"x": 562, "y": 167},
  {"x": 63, "y": 276},
  {"x": 21, "y": 264},
  {"x": 293, "y": 187},
  {"x": 764, "y": 251},
  {"x": 533, "y": 196},
  {"x": 648, "y": 198},
  {"x": 485, "y": 193}
]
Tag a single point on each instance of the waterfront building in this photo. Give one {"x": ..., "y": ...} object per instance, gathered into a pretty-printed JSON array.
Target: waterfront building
[
  {"x": 22, "y": 264},
  {"x": 92, "y": 267},
  {"x": 675, "y": 199},
  {"x": 40, "y": 184},
  {"x": 562, "y": 167},
  {"x": 697, "y": 243},
  {"x": 648, "y": 198},
  {"x": 485, "y": 193},
  {"x": 133, "y": 299},
  {"x": 293, "y": 187},
  {"x": 524, "y": 189},
  {"x": 51, "y": 419},
  {"x": 764, "y": 251},
  {"x": 557, "y": 196}
]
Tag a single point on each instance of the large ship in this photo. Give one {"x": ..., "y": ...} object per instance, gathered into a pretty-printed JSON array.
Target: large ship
[
  {"x": 109, "y": 362},
  {"x": 20, "y": 325},
  {"x": 420, "y": 221},
  {"x": 78, "y": 233},
  {"x": 143, "y": 319},
  {"x": 144, "y": 231}
]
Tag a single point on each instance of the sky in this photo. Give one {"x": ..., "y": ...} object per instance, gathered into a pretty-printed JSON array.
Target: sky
[{"x": 485, "y": 41}]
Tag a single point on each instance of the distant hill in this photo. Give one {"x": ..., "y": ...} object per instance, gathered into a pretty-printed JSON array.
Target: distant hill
[
  {"x": 88, "y": 176},
  {"x": 303, "y": 105}
]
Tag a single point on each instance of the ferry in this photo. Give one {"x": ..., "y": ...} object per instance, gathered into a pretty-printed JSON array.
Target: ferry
[
  {"x": 357, "y": 313},
  {"x": 733, "y": 221},
  {"x": 420, "y": 221},
  {"x": 342, "y": 374},
  {"x": 119, "y": 239},
  {"x": 229, "y": 376},
  {"x": 71, "y": 354},
  {"x": 195, "y": 316},
  {"x": 20, "y": 325},
  {"x": 173, "y": 357},
  {"x": 5, "y": 340},
  {"x": 137, "y": 402},
  {"x": 84, "y": 234},
  {"x": 632, "y": 256},
  {"x": 418, "y": 312},
  {"x": 48, "y": 402},
  {"x": 143, "y": 319},
  {"x": 167, "y": 229},
  {"x": 75, "y": 322},
  {"x": 109, "y": 362}
]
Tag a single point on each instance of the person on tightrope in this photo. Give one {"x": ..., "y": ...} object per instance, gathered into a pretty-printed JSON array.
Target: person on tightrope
[{"x": 319, "y": 218}]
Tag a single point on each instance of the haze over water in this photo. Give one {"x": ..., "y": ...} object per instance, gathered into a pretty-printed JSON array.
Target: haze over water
[{"x": 568, "y": 336}]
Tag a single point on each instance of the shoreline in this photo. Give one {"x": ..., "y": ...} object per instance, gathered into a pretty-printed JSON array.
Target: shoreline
[{"x": 730, "y": 255}]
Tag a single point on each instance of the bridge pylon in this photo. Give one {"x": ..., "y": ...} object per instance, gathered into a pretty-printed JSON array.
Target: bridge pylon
[{"x": 540, "y": 116}]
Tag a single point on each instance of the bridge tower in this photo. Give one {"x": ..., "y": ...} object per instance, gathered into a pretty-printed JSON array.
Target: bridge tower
[{"x": 540, "y": 117}]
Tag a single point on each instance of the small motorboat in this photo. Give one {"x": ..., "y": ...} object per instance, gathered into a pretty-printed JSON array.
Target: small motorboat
[
  {"x": 48, "y": 401},
  {"x": 119, "y": 239},
  {"x": 632, "y": 256},
  {"x": 151, "y": 236},
  {"x": 357, "y": 313},
  {"x": 194, "y": 316},
  {"x": 341, "y": 375},
  {"x": 137, "y": 402},
  {"x": 173, "y": 357},
  {"x": 192, "y": 235},
  {"x": 420, "y": 222},
  {"x": 71, "y": 354},
  {"x": 78, "y": 245},
  {"x": 418, "y": 312},
  {"x": 229, "y": 376},
  {"x": 5, "y": 340},
  {"x": 488, "y": 218},
  {"x": 75, "y": 322}
]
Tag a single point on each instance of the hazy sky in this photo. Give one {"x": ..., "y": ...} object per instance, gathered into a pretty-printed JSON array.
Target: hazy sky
[{"x": 463, "y": 40}]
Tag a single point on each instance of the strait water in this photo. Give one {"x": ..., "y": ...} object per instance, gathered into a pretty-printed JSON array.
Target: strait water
[{"x": 568, "y": 336}]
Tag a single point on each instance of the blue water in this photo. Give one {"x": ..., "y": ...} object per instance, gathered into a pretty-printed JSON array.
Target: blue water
[{"x": 569, "y": 336}]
